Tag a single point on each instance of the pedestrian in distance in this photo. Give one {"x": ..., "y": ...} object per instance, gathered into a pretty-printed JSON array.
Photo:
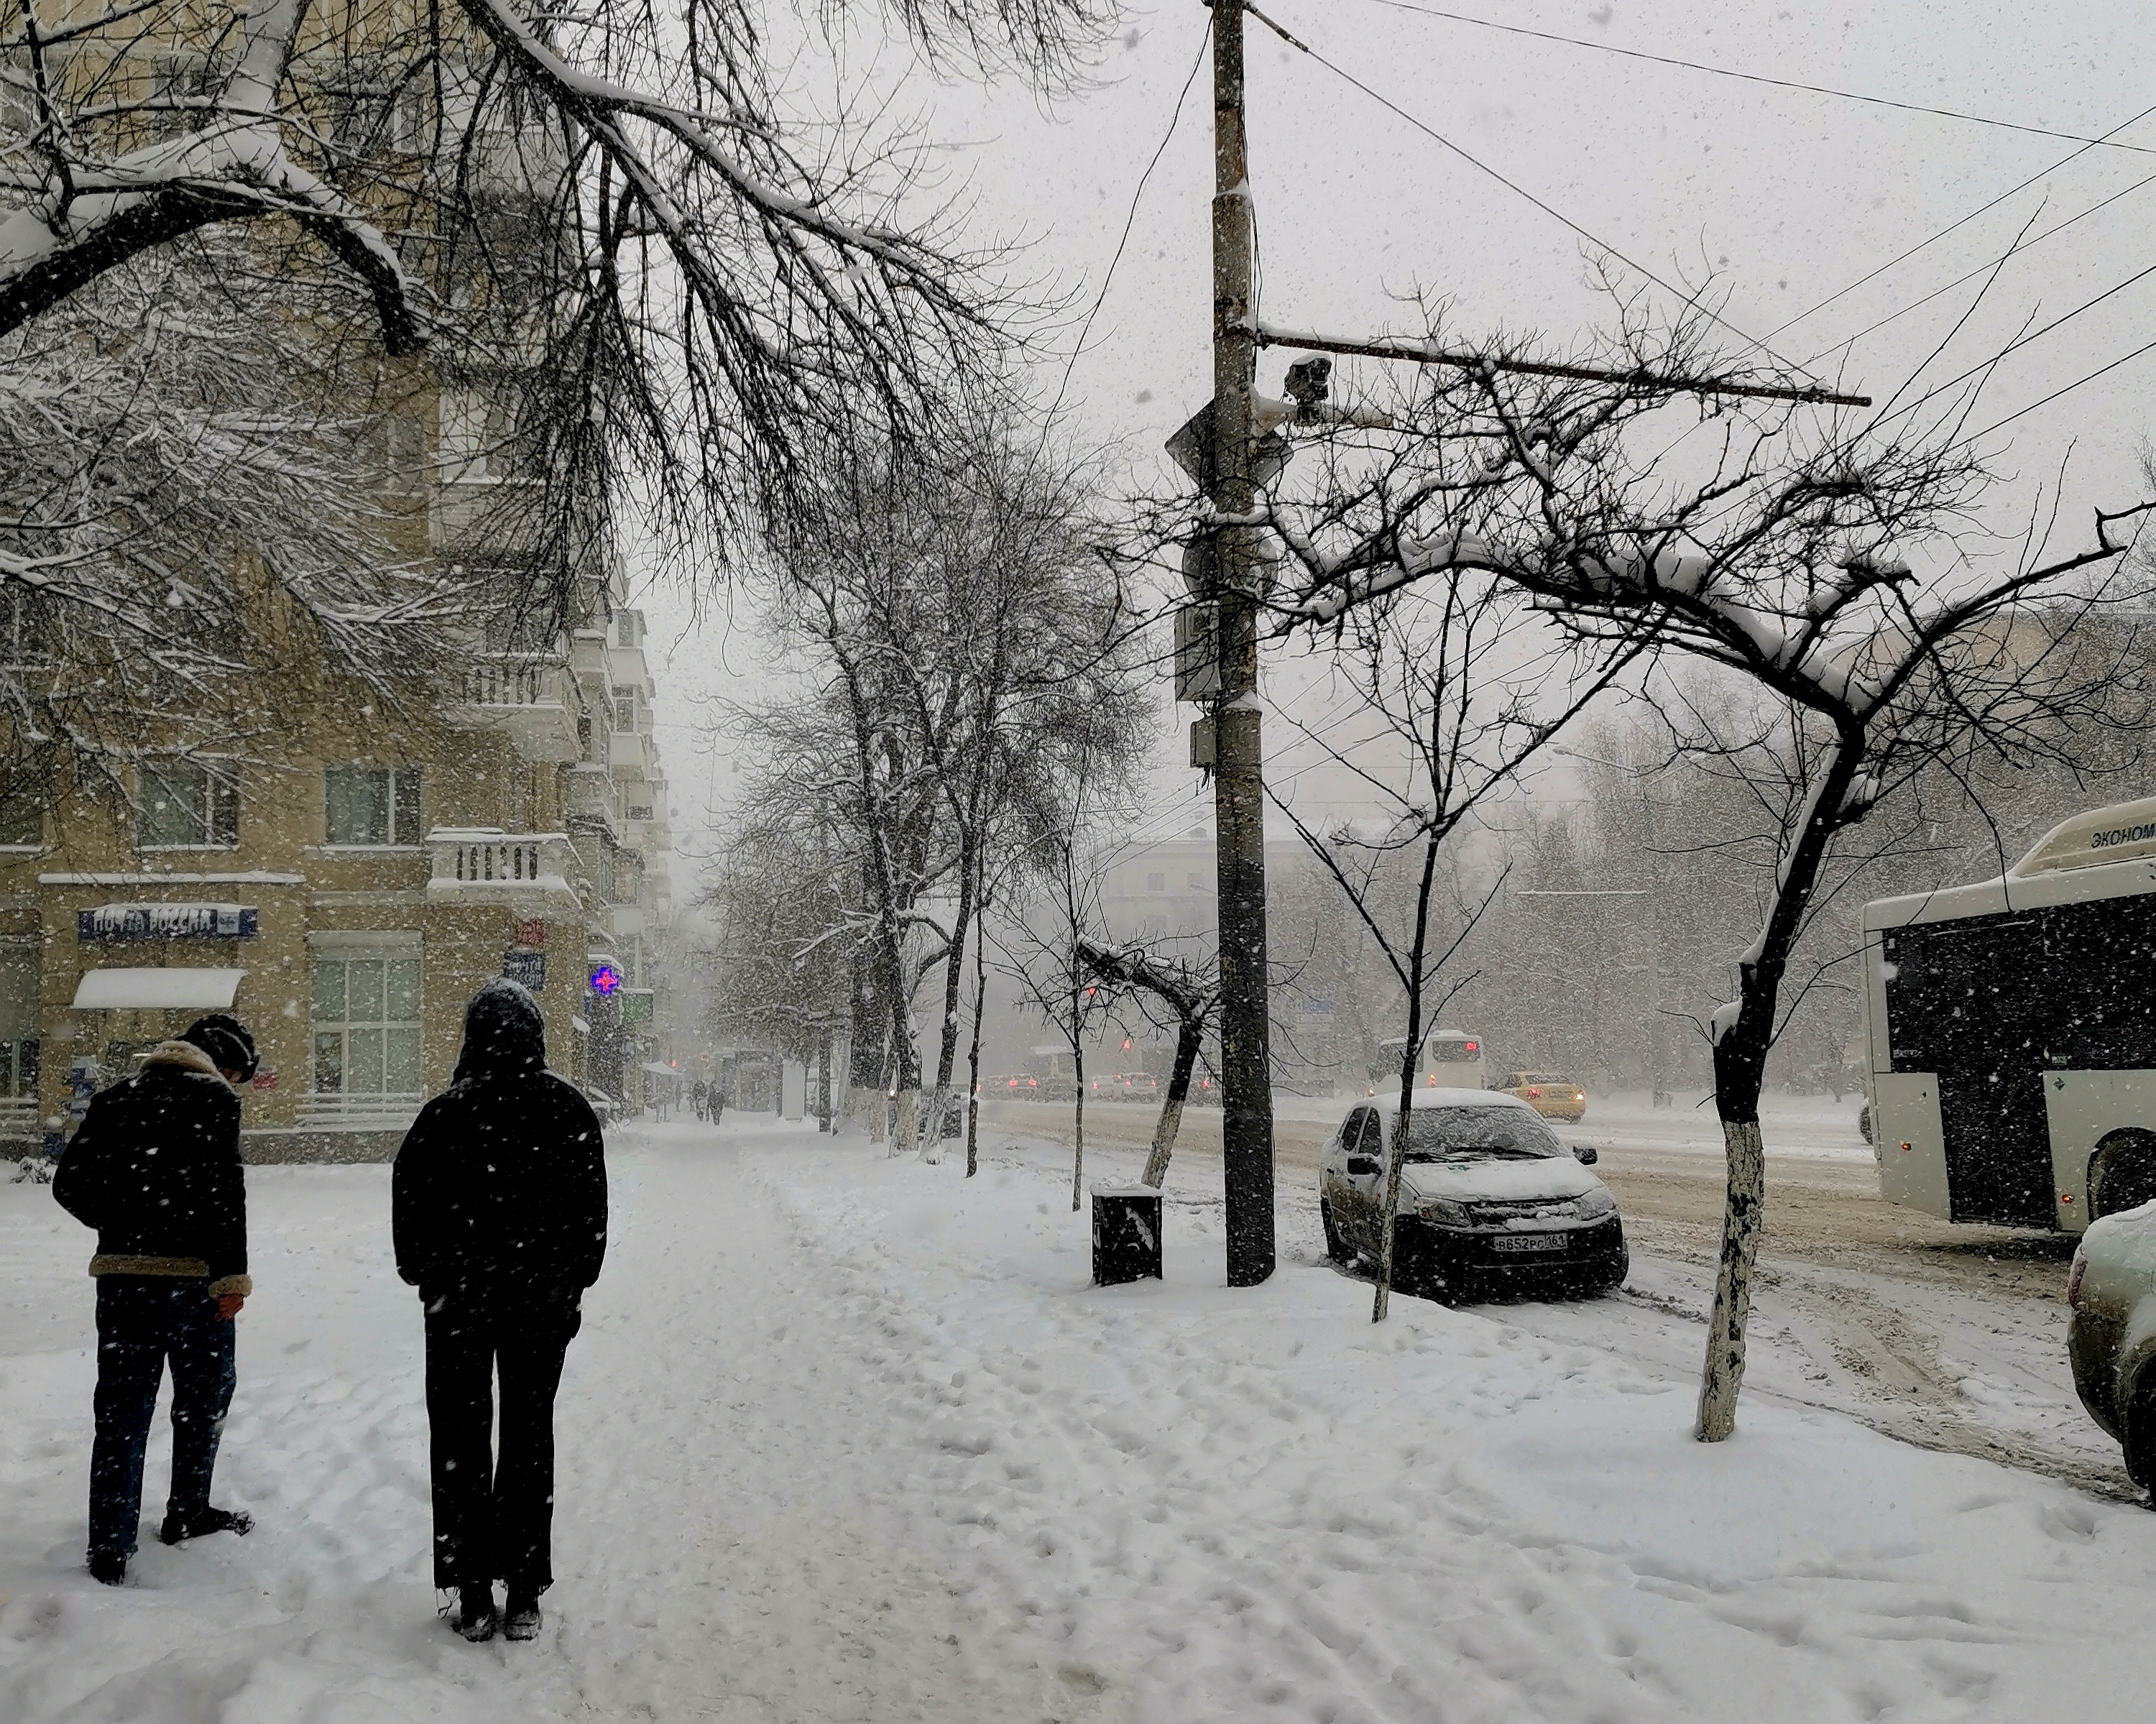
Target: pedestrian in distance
[
  {"x": 498, "y": 1206},
  {"x": 155, "y": 1168}
]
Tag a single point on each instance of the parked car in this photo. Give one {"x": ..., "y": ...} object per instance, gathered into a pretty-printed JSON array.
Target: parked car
[
  {"x": 1489, "y": 1200},
  {"x": 1011, "y": 1087},
  {"x": 1552, "y": 1096},
  {"x": 2111, "y": 1334}
]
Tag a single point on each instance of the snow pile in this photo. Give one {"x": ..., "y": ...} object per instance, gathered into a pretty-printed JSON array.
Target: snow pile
[{"x": 849, "y": 1437}]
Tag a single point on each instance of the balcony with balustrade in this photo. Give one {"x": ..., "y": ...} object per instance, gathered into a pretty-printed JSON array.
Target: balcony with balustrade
[
  {"x": 528, "y": 695},
  {"x": 483, "y": 865}
]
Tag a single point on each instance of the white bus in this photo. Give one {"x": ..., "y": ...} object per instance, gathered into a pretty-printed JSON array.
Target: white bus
[
  {"x": 2012, "y": 1032},
  {"x": 1451, "y": 1059}
]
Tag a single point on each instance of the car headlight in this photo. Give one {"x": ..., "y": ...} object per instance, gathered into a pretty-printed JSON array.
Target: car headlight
[
  {"x": 1597, "y": 1203},
  {"x": 1443, "y": 1214}
]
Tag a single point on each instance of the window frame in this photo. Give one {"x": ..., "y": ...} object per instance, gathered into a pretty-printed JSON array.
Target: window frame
[
  {"x": 217, "y": 771},
  {"x": 395, "y": 777},
  {"x": 386, "y": 953}
]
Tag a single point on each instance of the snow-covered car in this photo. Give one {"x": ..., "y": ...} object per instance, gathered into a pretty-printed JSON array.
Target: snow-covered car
[
  {"x": 2111, "y": 1334},
  {"x": 1489, "y": 1200},
  {"x": 1549, "y": 1095}
]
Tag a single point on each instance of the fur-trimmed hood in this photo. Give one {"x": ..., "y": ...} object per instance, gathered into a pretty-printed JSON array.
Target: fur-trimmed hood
[{"x": 185, "y": 1054}]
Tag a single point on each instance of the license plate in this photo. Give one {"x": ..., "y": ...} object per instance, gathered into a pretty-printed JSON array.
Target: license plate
[{"x": 1530, "y": 1242}]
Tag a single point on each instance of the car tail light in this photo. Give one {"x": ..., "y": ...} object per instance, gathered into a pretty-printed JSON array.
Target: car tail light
[
  {"x": 2074, "y": 1279},
  {"x": 1534, "y": 1093}
]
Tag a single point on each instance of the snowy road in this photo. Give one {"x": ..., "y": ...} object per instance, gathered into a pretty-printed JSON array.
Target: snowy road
[{"x": 849, "y": 1438}]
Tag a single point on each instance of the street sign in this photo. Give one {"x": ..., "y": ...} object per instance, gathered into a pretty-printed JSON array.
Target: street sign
[{"x": 527, "y": 969}]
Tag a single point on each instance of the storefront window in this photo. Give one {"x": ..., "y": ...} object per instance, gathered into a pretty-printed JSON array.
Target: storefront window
[{"x": 367, "y": 1025}]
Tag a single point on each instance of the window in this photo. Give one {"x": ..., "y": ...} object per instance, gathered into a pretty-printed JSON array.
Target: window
[
  {"x": 19, "y": 968},
  {"x": 186, "y": 804},
  {"x": 372, "y": 806},
  {"x": 624, "y": 707},
  {"x": 624, "y": 625},
  {"x": 366, "y": 1022},
  {"x": 22, "y": 821},
  {"x": 1156, "y": 883}
]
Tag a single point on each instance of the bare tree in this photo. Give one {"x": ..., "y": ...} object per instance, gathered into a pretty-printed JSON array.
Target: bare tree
[
  {"x": 1780, "y": 549},
  {"x": 627, "y": 219},
  {"x": 1188, "y": 992},
  {"x": 1053, "y": 927},
  {"x": 179, "y": 507},
  {"x": 1468, "y": 687}
]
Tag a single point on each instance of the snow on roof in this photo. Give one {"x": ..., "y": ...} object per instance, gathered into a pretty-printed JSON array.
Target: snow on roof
[
  {"x": 2124, "y": 833},
  {"x": 141, "y": 990},
  {"x": 1427, "y": 1097}
]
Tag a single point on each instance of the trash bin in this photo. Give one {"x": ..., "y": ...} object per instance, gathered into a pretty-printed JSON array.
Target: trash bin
[{"x": 1125, "y": 1234}]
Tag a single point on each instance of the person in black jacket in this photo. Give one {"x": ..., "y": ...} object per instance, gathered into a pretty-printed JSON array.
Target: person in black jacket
[
  {"x": 499, "y": 1209},
  {"x": 155, "y": 1168}
]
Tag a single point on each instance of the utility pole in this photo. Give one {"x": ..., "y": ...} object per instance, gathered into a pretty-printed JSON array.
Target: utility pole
[{"x": 1238, "y": 795}]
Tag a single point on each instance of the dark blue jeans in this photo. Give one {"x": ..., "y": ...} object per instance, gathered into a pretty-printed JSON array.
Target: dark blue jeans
[{"x": 141, "y": 1322}]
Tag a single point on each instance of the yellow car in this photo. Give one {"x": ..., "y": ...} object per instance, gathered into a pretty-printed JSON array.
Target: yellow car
[{"x": 1552, "y": 1096}]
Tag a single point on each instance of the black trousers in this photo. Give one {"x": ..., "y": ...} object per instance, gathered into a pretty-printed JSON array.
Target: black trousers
[{"x": 494, "y": 1515}]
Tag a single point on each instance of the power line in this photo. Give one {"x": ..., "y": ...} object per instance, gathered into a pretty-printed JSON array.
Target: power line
[
  {"x": 1130, "y": 219},
  {"x": 2066, "y": 389},
  {"x": 1963, "y": 222},
  {"x": 1847, "y": 95},
  {"x": 1513, "y": 186},
  {"x": 1981, "y": 270},
  {"x": 2016, "y": 345}
]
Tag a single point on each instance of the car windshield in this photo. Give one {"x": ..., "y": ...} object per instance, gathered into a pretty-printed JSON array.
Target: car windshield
[{"x": 1459, "y": 1134}]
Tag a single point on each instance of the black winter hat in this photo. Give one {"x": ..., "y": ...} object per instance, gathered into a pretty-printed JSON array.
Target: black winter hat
[{"x": 225, "y": 1039}]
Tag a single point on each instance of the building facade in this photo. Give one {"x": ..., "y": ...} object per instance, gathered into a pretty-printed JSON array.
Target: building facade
[{"x": 346, "y": 897}]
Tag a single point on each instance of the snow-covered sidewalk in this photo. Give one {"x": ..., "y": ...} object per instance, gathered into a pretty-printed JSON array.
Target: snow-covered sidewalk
[{"x": 852, "y": 1438}]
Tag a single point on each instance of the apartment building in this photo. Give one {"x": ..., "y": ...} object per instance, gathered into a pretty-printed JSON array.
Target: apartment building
[{"x": 348, "y": 893}]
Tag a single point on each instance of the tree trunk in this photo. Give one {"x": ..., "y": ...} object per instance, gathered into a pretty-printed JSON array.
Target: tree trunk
[
  {"x": 974, "y": 1053},
  {"x": 823, "y": 1082},
  {"x": 946, "y": 1051},
  {"x": 1186, "y": 1040},
  {"x": 1390, "y": 1216},
  {"x": 1724, "y": 1375},
  {"x": 908, "y": 1119},
  {"x": 1078, "y": 1126}
]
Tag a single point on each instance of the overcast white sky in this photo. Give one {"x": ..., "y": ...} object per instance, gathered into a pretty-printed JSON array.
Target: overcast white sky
[{"x": 1784, "y": 197}]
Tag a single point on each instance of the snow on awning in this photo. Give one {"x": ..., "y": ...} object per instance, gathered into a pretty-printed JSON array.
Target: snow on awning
[
  {"x": 657, "y": 1069},
  {"x": 578, "y": 1024},
  {"x": 132, "y": 990}
]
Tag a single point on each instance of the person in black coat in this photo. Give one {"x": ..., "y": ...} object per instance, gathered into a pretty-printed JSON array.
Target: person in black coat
[
  {"x": 155, "y": 1168},
  {"x": 499, "y": 1210}
]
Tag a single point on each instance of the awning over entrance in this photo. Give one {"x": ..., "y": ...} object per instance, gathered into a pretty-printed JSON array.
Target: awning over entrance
[
  {"x": 129, "y": 990},
  {"x": 657, "y": 1070}
]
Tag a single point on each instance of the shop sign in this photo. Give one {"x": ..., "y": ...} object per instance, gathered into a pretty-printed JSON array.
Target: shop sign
[
  {"x": 528, "y": 969},
  {"x": 530, "y": 931},
  {"x": 636, "y": 1007},
  {"x": 167, "y": 921},
  {"x": 606, "y": 980},
  {"x": 266, "y": 1079}
]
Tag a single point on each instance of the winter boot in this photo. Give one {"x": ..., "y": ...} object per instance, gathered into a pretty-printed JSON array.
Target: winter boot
[
  {"x": 179, "y": 1527},
  {"x": 108, "y": 1568},
  {"x": 476, "y": 1619},
  {"x": 522, "y": 1622}
]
